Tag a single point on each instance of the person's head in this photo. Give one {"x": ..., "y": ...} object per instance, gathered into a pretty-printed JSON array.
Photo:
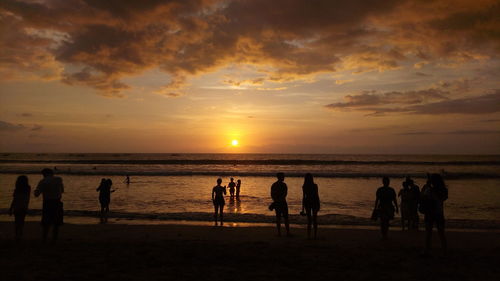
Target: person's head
[
  {"x": 103, "y": 181},
  {"x": 219, "y": 181},
  {"x": 437, "y": 181},
  {"x": 239, "y": 181},
  {"x": 22, "y": 181},
  {"x": 405, "y": 185},
  {"x": 232, "y": 179},
  {"x": 280, "y": 176},
  {"x": 386, "y": 181},
  {"x": 109, "y": 182},
  {"x": 47, "y": 172},
  {"x": 409, "y": 181},
  {"x": 308, "y": 179}
]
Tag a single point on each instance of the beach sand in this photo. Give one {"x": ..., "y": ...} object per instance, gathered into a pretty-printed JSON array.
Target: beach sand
[{"x": 186, "y": 252}]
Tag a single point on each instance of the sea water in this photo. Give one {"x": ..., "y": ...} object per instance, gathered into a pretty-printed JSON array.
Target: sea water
[{"x": 178, "y": 186}]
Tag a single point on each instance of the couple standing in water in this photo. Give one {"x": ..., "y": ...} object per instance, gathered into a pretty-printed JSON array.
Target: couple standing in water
[
  {"x": 310, "y": 203},
  {"x": 218, "y": 193}
]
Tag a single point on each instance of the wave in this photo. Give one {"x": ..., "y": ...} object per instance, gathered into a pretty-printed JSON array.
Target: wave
[
  {"x": 327, "y": 219},
  {"x": 448, "y": 175},
  {"x": 291, "y": 162}
]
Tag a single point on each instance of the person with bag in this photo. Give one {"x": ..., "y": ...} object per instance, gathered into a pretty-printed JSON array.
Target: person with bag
[
  {"x": 385, "y": 205},
  {"x": 433, "y": 196},
  {"x": 52, "y": 188}
]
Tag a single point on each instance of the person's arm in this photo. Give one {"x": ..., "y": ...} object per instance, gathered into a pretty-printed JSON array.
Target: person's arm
[
  {"x": 376, "y": 200},
  {"x": 11, "y": 208},
  {"x": 224, "y": 190},
  {"x": 303, "y": 198},
  {"x": 62, "y": 186},
  {"x": 213, "y": 191},
  {"x": 38, "y": 189}
]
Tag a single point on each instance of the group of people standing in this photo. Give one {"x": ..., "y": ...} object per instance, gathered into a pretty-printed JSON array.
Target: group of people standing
[
  {"x": 279, "y": 192},
  {"x": 51, "y": 188},
  {"x": 429, "y": 201}
]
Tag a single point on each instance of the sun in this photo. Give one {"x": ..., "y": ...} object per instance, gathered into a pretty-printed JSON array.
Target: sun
[{"x": 234, "y": 142}]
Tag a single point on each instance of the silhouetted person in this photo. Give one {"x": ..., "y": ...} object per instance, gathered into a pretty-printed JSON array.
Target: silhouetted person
[
  {"x": 405, "y": 194},
  {"x": 127, "y": 180},
  {"x": 415, "y": 193},
  {"x": 238, "y": 188},
  {"x": 105, "y": 198},
  {"x": 19, "y": 205},
  {"x": 218, "y": 193},
  {"x": 433, "y": 196},
  {"x": 310, "y": 202},
  {"x": 385, "y": 204},
  {"x": 279, "y": 191},
  {"x": 231, "y": 186},
  {"x": 51, "y": 187}
]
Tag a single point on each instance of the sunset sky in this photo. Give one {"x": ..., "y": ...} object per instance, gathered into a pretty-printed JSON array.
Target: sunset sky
[{"x": 281, "y": 76}]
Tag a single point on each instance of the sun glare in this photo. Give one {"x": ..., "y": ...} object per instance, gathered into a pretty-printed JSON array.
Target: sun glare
[{"x": 234, "y": 142}]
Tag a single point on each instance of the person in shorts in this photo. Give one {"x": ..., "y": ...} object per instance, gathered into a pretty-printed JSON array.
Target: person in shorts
[
  {"x": 51, "y": 188},
  {"x": 279, "y": 191}
]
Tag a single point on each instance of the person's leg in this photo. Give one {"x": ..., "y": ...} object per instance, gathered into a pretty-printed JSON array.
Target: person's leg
[
  {"x": 216, "y": 211},
  {"x": 287, "y": 225},
  {"x": 442, "y": 237},
  {"x": 102, "y": 213},
  {"x": 45, "y": 230},
  {"x": 402, "y": 222},
  {"x": 428, "y": 235},
  {"x": 55, "y": 233},
  {"x": 221, "y": 215},
  {"x": 309, "y": 222},
  {"x": 278, "y": 220},
  {"x": 106, "y": 211},
  {"x": 315, "y": 222},
  {"x": 384, "y": 227}
]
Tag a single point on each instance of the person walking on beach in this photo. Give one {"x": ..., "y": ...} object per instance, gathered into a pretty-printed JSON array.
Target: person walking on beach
[
  {"x": 238, "y": 187},
  {"x": 385, "y": 204},
  {"x": 19, "y": 205},
  {"x": 413, "y": 204},
  {"x": 231, "y": 186},
  {"x": 218, "y": 193},
  {"x": 433, "y": 196},
  {"x": 310, "y": 202},
  {"x": 405, "y": 194},
  {"x": 127, "y": 179},
  {"x": 279, "y": 191},
  {"x": 105, "y": 198},
  {"x": 52, "y": 189}
]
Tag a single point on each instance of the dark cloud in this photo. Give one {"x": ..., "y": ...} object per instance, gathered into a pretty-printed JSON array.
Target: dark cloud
[
  {"x": 9, "y": 127},
  {"x": 97, "y": 43},
  {"x": 26, "y": 114},
  {"x": 36, "y": 128}
]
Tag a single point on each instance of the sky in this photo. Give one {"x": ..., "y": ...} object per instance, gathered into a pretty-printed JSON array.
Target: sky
[{"x": 281, "y": 76}]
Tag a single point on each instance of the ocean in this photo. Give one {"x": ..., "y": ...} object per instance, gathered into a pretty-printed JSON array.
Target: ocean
[{"x": 178, "y": 186}]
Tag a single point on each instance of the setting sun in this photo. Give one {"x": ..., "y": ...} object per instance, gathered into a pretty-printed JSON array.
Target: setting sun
[{"x": 234, "y": 142}]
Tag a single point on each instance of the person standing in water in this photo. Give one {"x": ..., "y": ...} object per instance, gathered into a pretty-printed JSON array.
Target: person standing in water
[
  {"x": 105, "y": 198},
  {"x": 52, "y": 188},
  {"x": 405, "y": 204},
  {"x": 415, "y": 193},
  {"x": 238, "y": 187},
  {"x": 310, "y": 202},
  {"x": 433, "y": 196},
  {"x": 231, "y": 186},
  {"x": 218, "y": 193},
  {"x": 127, "y": 179},
  {"x": 385, "y": 204},
  {"x": 279, "y": 191},
  {"x": 19, "y": 205}
]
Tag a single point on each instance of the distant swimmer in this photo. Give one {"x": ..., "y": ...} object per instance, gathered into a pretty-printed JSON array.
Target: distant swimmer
[
  {"x": 279, "y": 191},
  {"x": 385, "y": 205},
  {"x": 19, "y": 205},
  {"x": 105, "y": 198},
  {"x": 238, "y": 188},
  {"x": 310, "y": 202},
  {"x": 218, "y": 193},
  {"x": 231, "y": 186}
]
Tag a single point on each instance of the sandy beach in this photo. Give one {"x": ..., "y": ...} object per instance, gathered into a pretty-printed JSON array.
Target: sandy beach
[{"x": 186, "y": 252}]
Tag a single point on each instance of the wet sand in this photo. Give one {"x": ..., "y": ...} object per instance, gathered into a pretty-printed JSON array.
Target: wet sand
[{"x": 186, "y": 252}]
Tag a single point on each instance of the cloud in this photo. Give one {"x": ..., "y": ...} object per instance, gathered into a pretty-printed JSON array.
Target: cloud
[
  {"x": 9, "y": 127},
  {"x": 97, "y": 43},
  {"x": 36, "y": 128},
  {"x": 26, "y": 114},
  {"x": 372, "y": 98},
  {"x": 457, "y": 132}
]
